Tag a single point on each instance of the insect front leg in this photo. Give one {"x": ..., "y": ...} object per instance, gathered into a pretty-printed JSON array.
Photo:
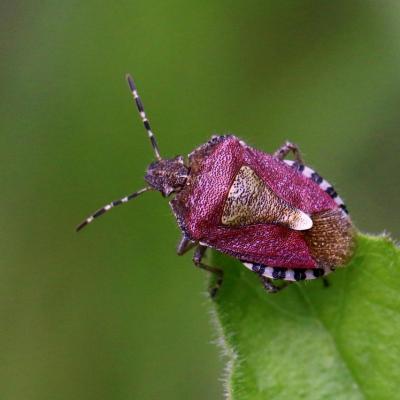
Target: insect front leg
[
  {"x": 184, "y": 246},
  {"x": 288, "y": 147},
  {"x": 197, "y": 257}
]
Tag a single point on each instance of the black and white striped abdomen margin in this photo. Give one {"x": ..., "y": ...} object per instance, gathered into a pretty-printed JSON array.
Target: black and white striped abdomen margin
[
  {"x": 321, "y": 182},
  {"x": 287, "y": 274}
]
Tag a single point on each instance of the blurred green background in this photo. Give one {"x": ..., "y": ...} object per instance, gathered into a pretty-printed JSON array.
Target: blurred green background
[{"x": 113, "y": 313}]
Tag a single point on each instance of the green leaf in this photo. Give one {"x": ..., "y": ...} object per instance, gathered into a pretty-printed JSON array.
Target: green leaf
[{"x": 311, "y": 341}]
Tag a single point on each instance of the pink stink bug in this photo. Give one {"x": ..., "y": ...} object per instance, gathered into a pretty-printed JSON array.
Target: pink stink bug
[{"x": 280, "y": 218}]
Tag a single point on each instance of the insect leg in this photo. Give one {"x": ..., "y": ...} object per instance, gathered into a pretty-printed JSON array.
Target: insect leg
[
  {"x": 270, "y": 287},
  {"x": 184, "y": 246},
  {"x": 288, "y": 147},
  {"x": 197, "y": 257}
]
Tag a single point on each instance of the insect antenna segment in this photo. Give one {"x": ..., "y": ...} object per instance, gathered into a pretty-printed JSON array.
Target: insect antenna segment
[
  {"x": 146, "y": 123},
  {"x": 142, "y": 113},
  {"x": 111, "y": 205}
]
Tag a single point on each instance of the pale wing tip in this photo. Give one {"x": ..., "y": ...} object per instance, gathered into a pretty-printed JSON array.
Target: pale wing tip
[{"x": 303, "y": 222}]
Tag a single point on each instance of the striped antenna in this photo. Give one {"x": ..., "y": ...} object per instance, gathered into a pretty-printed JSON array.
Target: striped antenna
[
  {"x": 109, "y": 206},
  {"x": 142, "y": 114}
]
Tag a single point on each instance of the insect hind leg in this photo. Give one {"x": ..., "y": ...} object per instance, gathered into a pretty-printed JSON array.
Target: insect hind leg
[{"x": 270, "y": 287}]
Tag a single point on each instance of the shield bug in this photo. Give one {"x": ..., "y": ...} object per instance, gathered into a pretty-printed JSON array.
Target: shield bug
[{"x": 280, "y": 218}]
